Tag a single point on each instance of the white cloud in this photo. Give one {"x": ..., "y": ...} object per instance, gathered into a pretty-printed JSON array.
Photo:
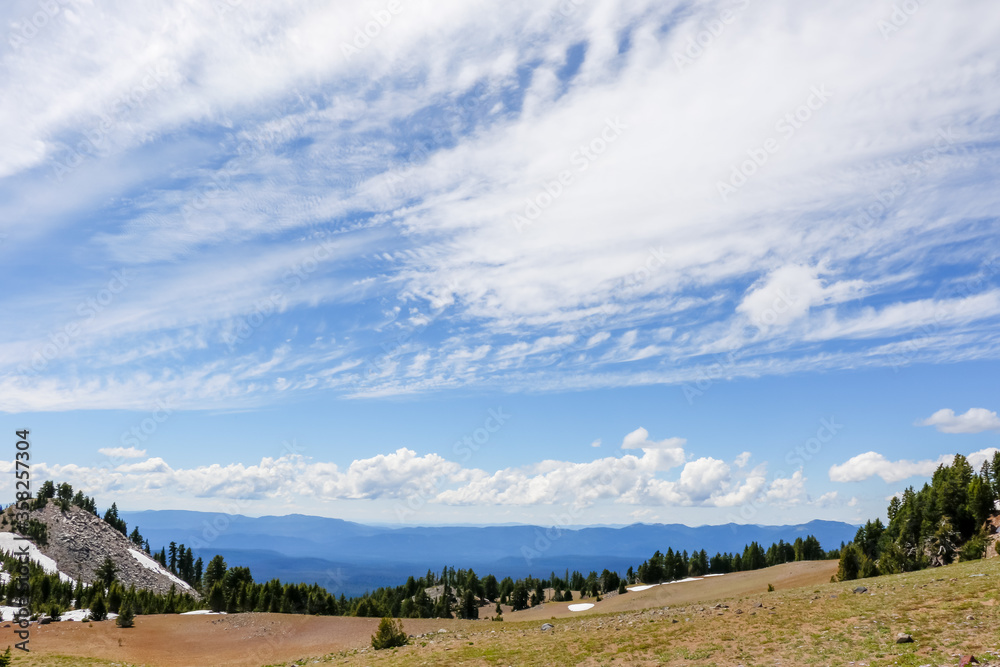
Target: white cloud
[
  {"x": 870, "y": 464},
  {"x": 596, "y": 443},
  {"x": 665, "y": 454},
  {"x": 122, "y": 452},
  {"x": 402, "y": 475},
  {"x": 787, "y": 490},
  {"x": 828, "y": 499},
  {"x": 975, "y": 420},
  {"x": 256, "y": 134}
]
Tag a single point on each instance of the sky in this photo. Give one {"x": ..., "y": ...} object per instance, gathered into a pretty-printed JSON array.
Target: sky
[{"x": 560, "y": 262}]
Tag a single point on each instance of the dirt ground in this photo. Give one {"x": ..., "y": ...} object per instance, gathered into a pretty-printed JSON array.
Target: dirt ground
[
  {"x": 235, "y": 640},
  {"x": 782, "y": 577},
  {"x": 253, "y": 640}
]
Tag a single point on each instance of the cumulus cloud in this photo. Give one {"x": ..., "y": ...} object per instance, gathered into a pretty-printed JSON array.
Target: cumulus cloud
[
  {"x": 787, "y": 490},
  {"x": 870, "y": 464},
  {"x": 827, "y": 499},
  {"x": 122, "y": 452},
  {"x": 401, "y": 475},
  {"x": 975, "y": 420},
  {"x": 664, "y": 454}
]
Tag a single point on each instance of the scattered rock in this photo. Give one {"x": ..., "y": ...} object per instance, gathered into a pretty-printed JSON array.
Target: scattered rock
[
  {"x": 903, "y": 638},
  {"x": 759, "y": 605},
  {"x": 673, "y": 620},
  {"x": 738, "y": 611},
  {"x": 547, "y": 626},
  {"x": 968, "y": 660},
  {"x": 442, "y": 631},
  {"x": 861, "y": 589}
]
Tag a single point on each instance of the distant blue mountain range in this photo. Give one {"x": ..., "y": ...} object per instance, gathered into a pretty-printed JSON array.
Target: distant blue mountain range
[{"x": 350, "y": 558}]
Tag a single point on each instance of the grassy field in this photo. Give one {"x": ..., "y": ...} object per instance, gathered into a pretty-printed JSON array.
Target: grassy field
[{"x": 949, "y": 612}]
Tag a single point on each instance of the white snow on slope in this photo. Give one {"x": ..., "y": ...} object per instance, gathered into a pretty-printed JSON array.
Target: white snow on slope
[
  {"x": 636, "y": 589},
  {"x": 80, "y": 614},
  {"x": 581, "y": 606},
  {"x": 715, "y": 575},
  {"x": 13, "y": 546},
  {"x": 151, "y": 564},
  {"x": 202, "y": 612}
]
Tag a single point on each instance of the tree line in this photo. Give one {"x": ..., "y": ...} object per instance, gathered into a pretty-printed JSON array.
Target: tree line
[
  {"x": 450, "y": 593},
  {"x": 943, "y": 522}
]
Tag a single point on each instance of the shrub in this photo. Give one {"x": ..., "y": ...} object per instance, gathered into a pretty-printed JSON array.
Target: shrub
[
  {"x": 5, "y": 658},
  {"x": 389, "y": 634},
  {"x": 126, "y": 618},
  {"x": 770, "y": 588},
  {"x": 98, "y": 608}
]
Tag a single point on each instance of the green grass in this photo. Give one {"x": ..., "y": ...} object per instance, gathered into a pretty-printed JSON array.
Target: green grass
[{"x": 807, "y": 627}]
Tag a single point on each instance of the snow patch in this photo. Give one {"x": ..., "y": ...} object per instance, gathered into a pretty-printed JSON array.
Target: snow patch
[
  {"x": 636, "y": 589},
  {"x": 681, "y": 581},
  {"x": 151, "y": 564},
  {"x": 80, "y": 614},
  {"x": 715, "y": 575},
  {"x": 202, "y": 612},
  {"x": 13, "y": 546},
  {"x": 583, "y": 606}
]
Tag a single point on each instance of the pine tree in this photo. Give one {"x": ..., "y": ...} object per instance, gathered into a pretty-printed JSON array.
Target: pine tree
[
  {"x": 126, "y": 617},
  {"x": 98, "y": 609},
  {"x": 106, "y": 572},
  {"x": 389, "y": 634}
]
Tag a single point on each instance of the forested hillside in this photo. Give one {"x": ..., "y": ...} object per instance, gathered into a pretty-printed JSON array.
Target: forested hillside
[{"x": 947, "y": 520}]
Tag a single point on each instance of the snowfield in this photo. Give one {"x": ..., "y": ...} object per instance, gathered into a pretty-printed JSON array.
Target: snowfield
[
  {"x": 582, "y": 606},
  {"x": 151, "y": 564},
  {"x": 12, "y": 546},
  {"x": 203, "y": 612},
  {"x": 7, "y": 614}
]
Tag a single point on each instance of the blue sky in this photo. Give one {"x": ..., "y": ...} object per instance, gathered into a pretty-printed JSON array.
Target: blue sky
[{"x": 442, "y": 262}]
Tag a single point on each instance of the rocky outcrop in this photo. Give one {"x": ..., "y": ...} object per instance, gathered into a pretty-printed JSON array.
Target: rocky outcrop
[
  {"x": 79, "y": 542},
  {"x": 992, "y": 528}
]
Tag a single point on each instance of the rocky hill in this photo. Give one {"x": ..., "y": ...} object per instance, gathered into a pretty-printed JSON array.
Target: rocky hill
[{"x": 77, "y": 542}]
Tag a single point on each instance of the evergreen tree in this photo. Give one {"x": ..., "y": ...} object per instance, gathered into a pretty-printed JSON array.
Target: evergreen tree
[
  {"x": 98, "y": 608},
  {"x": 106, "y": 572},
  {"x": 470, "y": 605},
  {"x": 126, "y": 617}
]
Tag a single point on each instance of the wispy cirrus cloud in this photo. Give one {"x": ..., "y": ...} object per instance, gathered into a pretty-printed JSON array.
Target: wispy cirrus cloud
[{"x": 228, "y": 147}]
